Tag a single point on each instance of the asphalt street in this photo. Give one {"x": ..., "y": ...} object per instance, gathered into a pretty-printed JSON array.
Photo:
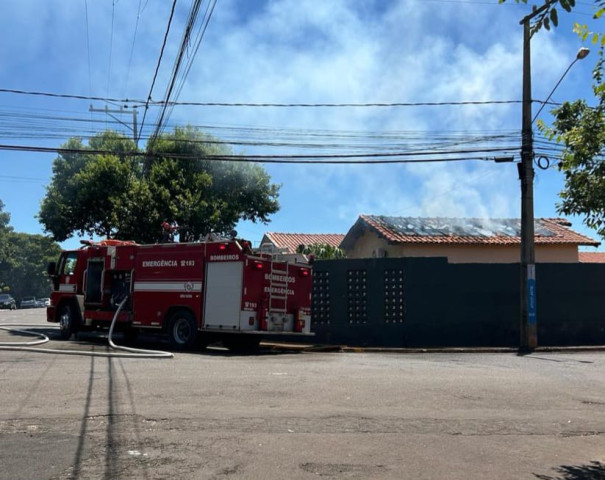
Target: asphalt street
[{"x": 281, "y": 414}]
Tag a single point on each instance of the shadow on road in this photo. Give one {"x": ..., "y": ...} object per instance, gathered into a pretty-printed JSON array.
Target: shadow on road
[
  {"x": 158, "y": 342},
  {"x": 592, "y": 471}
]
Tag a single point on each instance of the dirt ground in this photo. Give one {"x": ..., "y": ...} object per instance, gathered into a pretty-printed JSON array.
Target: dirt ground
[{"x": 280, "y": 414}]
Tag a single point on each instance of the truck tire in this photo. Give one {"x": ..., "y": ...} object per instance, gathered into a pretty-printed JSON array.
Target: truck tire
[
  {"x": 182, "y": 330},
  {"x": 67, "y": 322}
]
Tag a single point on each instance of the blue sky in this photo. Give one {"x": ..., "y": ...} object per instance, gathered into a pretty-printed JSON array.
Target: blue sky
[{"x": 295, "y": 51}]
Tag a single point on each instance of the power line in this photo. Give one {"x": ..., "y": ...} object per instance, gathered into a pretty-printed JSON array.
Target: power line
[
  {"x": 134, "y": 38},
  {"x": 113, "y": 14},
  {"x": 149, "y": 102},
  {"x": 378, "y": 158},
  {"x": 339, "y": 105},
  {"x": 69, "y": 96},
  {"x": 168, "y": 107},
  {"x": 88, "y": 47},
  {"x": 157, "y": 68},
  {"x": 177, "y": 65}
]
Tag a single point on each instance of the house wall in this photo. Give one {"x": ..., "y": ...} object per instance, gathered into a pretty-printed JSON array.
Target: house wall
[{"x": 369, "y": 242}]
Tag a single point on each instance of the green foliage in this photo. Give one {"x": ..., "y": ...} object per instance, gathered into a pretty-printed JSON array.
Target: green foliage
[
  {"x": 124, "y": 194},
  {"x": 581, "y": 130},
  {"x": 321, "y": 251},
  {"x": 5, "y": 229},
  {"x": 23, "y": 268},
  {"x": 89, "y": 193}
]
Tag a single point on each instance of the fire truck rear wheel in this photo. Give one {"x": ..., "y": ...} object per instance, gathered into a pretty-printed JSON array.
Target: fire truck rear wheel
[
  {"x": 67, "y": 321},
  {"x": 182, "y": 330}
]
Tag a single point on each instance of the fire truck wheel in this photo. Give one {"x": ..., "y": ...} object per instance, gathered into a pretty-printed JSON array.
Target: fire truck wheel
[
  {"x": 66, "y": 322},
  {"x": 182, "y": 330}
]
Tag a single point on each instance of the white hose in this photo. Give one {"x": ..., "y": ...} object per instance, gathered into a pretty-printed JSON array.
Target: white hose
[{"x": 28, "y": 346}]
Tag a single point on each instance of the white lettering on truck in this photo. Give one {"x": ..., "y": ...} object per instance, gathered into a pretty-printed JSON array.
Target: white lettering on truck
[
  {"x": 223, "y": 258},
  {"x": 280, "y": 278},
  {"x": 159, "y": 263}
]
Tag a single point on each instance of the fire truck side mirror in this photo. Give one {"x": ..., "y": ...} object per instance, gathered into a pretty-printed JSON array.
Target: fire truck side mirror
[{"x": 51, "y": 269}]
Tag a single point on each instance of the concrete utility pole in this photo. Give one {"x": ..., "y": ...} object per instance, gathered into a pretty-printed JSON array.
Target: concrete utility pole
[
  {"x": 529, "y": 338},
  {"x": 529, "y": 321},
  {"x": 122, "y": 111}
]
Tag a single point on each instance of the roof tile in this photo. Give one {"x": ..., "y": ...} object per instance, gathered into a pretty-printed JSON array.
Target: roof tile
[
  {"x": 291, "y": 241},
  {"x": 548, "y": 231},
  {"x": 591, "y": 257}
]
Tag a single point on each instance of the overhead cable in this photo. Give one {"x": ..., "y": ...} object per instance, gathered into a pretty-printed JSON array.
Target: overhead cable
[
  {"x": 375, "y": 158},
  {"x": 157, "y": 68}
]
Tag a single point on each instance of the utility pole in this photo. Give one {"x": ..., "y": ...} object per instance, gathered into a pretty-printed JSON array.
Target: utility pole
[
  {"x": 529, "y": 339},
  {"x": 529, "y": 321},
  {"x": 122, "y": 111}
]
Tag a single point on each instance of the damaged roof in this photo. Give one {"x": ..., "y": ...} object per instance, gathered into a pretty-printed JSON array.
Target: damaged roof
[{"x": 491, "y": 231}]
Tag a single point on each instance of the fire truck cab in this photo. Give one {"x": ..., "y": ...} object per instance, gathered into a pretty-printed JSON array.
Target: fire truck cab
[{"x": 196, "y": 293}]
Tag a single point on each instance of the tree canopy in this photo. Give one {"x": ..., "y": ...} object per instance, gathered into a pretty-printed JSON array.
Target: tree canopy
[
  {"x": 108, "y": 188},
  {"x": 581, "y": 130},
  {"x": 24, "y": 260},
  {"x": 321, "y": 251}
]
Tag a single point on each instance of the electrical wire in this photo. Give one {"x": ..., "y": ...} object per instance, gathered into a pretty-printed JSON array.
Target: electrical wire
[
  {"x": 157, "y": 68},
  {"x": 377, "y": 158},
  {"x": 206, "y": 20},
  {"x": 177, "y": 65},
  {"x": 149, "y": 101},
  {"x": 113, "y": 14},
  {"x": 134, "y": 38}
]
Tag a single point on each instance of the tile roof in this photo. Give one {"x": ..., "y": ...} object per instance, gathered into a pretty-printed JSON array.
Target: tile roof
[
  {"x": 591, "y": 257},
  {"x": 471, "y": 231},
  {"x": 291, "y": 241}
]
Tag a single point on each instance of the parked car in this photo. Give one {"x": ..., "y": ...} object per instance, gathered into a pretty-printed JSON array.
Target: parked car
[
  {"x": 28, "y": 302},
  {"x": 43, "y": 302},
  {"x": 7, "y": 302}
]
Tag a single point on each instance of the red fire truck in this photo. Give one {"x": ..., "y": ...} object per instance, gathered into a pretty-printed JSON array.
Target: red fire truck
[{"x": 196, "y": 293}]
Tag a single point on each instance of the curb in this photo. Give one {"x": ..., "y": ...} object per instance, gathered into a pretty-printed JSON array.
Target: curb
[{"x": 350, "y": 349}]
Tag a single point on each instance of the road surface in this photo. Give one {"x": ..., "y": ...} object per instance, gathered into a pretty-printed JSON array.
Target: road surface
[{"x": 287, "y": 415}]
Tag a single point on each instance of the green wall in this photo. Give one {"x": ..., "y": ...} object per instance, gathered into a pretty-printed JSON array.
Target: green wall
[{"x": 426, "y": 302}]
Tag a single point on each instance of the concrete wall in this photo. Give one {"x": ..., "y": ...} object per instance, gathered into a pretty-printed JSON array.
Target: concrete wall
[
  {"x": 369, "y": 242},
  {"x": 428, "y": 302}
]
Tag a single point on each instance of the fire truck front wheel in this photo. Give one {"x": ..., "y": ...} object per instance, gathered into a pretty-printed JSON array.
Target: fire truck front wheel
[
  {"x": 67, "y": 319},
  {"x": 182, "y": 330}
]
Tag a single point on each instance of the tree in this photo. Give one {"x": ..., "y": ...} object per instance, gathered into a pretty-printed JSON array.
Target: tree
[
  {"x": 24, "y": 259},
  {"x": 581, "y": 130},
  {"x": 89, "y": 192},
  {"x": 201, "y": 192},
  {"x": 5, "y": 245},
  {"x": 110, "y": 189},
  {"x": 31, "y": 254},
  {"x": 321, "y": 251}
]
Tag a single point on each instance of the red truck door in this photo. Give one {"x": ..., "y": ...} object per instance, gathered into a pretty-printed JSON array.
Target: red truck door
[{"x": 66, "y": 270}]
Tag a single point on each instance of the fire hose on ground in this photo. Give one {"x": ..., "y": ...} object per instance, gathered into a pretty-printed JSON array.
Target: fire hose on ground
[{"x": 31, "y": 346}]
